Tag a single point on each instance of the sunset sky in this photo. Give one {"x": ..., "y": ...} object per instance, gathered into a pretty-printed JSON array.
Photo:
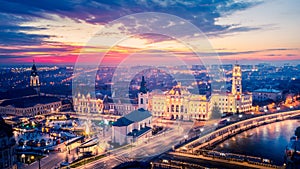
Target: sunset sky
[{"x": 57, "y": 32}]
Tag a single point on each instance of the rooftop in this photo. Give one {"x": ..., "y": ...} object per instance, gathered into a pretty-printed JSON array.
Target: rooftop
[
  {"x": 267, "y": 90},
  {"x": 137, "y": 133},
  {"x": 138, "y": 115},
  {"x": 17, "y": 93},
  {"x": 179, "y": 90},
  {"x": 29, "y": 101},
  {"x": 122, "y": 122},
  {"x": 134, "y": 116}
]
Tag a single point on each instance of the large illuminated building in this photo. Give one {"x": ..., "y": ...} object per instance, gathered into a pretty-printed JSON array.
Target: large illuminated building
[
  {"x": 236, "y": 101},
  {"x": 87, "y": 104},
  {"x": 177, "y": 103},
  {"x": 29, "y": 102}
]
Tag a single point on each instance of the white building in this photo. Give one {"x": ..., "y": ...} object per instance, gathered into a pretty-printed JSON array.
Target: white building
[
  {"x": 87, "y": 104},
  {"x": 135, "y": 126}
]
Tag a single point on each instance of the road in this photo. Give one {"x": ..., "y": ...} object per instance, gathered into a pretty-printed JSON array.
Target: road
[
  {"x": 52, "y": 160},
  {"x": 143, "y": 150}
]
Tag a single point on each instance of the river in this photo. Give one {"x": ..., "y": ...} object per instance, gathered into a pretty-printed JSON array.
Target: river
[{"x": 267, "y": 141}]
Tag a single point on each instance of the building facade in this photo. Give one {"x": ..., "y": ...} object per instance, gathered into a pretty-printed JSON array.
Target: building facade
[
  {"x": 236, "y": 101},
  {"x": 31, "y": 105},
  {"x": 267, "y": 94},
  {"x": 34, "y": 79},
  {"x": 133, "y": 127},
  {"x": 179, "y": 103},
  {"x": 86, "y": 104}
]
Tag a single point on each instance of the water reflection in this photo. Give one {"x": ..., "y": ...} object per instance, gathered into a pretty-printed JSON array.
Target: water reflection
[{"x": 268, "y": 141}]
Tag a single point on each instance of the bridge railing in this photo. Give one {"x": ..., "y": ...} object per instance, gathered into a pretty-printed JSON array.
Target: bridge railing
[
  {"x": 227, "y": 157},
  {"x": 237, "y": 127}
]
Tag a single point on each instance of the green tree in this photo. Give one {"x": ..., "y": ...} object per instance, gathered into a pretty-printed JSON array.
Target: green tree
[{"x": 216, "y": 112}]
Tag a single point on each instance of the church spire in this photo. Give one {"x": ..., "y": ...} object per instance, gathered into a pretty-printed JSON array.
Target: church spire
[
  {"x": 34, "y": 79},
  {"x": 33, "y": 69},
  {"x": 143, "y": 88}
]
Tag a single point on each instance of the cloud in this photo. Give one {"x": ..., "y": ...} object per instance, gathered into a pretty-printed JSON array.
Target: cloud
[{"x": 202, "y": 13}]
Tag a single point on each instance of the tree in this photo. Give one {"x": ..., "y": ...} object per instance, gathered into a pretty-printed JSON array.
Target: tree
[
  {"x": 216, "y": 112},
  {"x": 297, "y": 132}
]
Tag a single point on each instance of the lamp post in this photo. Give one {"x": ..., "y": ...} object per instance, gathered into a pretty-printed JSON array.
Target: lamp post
[
  {"x": 23, "y": 157},
  {"x": 31, "y": 158},
  {"x": 185, "y": 138},
  {"x": 39, "y": 159}
]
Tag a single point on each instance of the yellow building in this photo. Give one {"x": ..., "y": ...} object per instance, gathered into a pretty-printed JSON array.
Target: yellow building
[
  {"x": 236, "y": 101},
  {"x": 179, "y": 103}
]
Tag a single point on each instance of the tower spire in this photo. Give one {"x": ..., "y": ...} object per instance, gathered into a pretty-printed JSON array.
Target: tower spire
[
  {"x": 143, "y": 88},
  {"x": 34, "y": 78}
]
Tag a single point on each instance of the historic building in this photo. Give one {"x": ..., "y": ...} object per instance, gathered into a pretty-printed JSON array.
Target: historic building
[
  {"x": 34, "y": 79},
  {"x": 267, "y": 94},
  {"x": 179, "y": 103},
  {"x": 87, "y": 104},
  {"x": 8, "y": 158},
  {"x": 236, "y": 101},
  {"x": 30, "y": 105},
  {"x": 143, "y": 95},
  {"x": 133, "y": 127}
]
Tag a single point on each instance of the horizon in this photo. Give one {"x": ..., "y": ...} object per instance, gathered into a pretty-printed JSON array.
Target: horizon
[{"x": 246, "y": 31}]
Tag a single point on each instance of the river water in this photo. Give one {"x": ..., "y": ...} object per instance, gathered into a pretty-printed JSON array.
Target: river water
[{"x": 268, "y": 141}]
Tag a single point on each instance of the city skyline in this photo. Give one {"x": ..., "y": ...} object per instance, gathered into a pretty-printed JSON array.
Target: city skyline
[
  {"x": 149, "y": 84},
  {"x": 55, "y": 33}
]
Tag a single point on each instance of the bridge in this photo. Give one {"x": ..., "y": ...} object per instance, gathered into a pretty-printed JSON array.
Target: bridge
[{"x": 196, "y": 147}]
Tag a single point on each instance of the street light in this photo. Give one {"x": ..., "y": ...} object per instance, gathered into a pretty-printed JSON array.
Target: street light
[
  {"x": 185, "y": 137},
  {"x": 23, "y": 157},
  {"x": 202, "y": 129}
]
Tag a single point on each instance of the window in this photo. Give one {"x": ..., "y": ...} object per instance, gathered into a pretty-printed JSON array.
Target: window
[
  {"x": 172, "y": 108},
  {"x": 142, "y": 101}
]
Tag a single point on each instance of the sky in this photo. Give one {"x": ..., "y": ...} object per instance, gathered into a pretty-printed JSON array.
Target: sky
[{"x": 60, "y": 32}]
